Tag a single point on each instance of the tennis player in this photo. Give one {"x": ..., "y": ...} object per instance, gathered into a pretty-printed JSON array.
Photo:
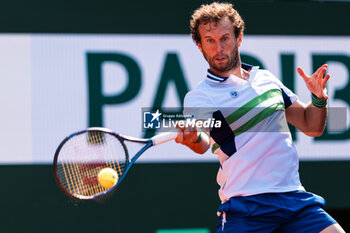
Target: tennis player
[{"x": 260, "y": 189}]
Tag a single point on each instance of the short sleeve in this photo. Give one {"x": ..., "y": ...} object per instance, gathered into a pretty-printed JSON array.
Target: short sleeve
[
  {"x": 288, "y": 96},
  {"x": 198, "y": 105}
]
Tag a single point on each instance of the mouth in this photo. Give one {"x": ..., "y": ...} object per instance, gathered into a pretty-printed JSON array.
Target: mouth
[{"x": 220, "y": 58}]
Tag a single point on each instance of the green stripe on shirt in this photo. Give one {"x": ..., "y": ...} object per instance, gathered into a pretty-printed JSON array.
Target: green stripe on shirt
[
  {"x": 255, "y": 120},
  {"x": 251, "y": 104}
]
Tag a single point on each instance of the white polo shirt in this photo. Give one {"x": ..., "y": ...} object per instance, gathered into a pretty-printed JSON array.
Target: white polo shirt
[{"x": 255, "y": 151}]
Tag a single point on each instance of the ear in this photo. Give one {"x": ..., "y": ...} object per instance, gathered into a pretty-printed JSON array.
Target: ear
[
  {"x": 239, "y": 40},
  {"x": 199, "y": 45}
]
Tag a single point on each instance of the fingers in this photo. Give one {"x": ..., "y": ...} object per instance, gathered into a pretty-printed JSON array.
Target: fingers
[
  {"x": 190, "y": 135},
  {"x": 180, "y": 136},
  {"x": 301, "y": 72},
  {"x": 316, "y": 83},
  {"x": 325, "y": 80},
  {"x": 324, "y": 93},
  {"x": 321, "y": 70},
  {"x": 186, "y": 136}
]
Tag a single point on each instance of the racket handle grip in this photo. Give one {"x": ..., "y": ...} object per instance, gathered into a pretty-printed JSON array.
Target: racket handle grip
[{"x": 163, "y": 137}]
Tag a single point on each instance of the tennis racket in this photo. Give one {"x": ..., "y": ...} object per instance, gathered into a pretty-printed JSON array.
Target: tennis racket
[{"x": 81, "y": 157}]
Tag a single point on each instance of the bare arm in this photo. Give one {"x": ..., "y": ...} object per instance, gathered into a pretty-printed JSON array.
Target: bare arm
[{"x": 309, "y": 119}]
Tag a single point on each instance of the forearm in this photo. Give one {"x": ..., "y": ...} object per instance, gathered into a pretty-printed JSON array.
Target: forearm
[
  {"x": 315, "y": 119},
  {"x": 308, "y": 118},
  {"x": 314, "y": 114}
]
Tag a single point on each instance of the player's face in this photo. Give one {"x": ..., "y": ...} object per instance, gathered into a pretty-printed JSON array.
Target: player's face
[{"x": 219, "y": 46}]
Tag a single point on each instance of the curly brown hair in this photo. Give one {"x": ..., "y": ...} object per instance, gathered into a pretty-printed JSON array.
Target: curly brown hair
[{"x": 215, "y": 12}]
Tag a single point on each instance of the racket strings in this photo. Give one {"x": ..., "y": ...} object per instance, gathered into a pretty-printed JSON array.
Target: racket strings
[
  {"x": 119, "y": 166},
  {"x": 70, "y": 174},
  {"x": 74, "y": 181},
  {"x": 94, "y": 187},
  {"x": 83, "y": 156}
]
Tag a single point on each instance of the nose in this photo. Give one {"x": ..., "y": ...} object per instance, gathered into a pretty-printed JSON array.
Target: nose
[{"x": 219, "y": 47}]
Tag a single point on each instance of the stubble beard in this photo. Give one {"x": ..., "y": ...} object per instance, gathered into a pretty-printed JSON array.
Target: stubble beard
[{"x": 232, "y": 61}]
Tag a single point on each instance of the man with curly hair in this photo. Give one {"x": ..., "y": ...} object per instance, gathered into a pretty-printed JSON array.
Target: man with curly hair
[{"x": 260, "y": 189}]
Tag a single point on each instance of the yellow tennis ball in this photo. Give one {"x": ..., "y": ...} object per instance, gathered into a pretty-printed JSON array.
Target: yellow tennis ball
[{"x": 107, "y": 177}]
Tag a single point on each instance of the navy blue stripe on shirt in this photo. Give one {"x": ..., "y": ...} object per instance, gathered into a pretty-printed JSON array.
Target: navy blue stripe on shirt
[
  {"x": 247, "y": 67},
  {"x": 286, "y": 99},
  {"x": 219, "y": 79},
  {"x": 223, "y": 136},
  {"x": 215, "y": 79}
]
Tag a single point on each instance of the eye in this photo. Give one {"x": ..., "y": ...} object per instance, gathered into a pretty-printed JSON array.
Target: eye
[
  {"x": 210, "y": 40},
  {"x": 225, "y": 38}
]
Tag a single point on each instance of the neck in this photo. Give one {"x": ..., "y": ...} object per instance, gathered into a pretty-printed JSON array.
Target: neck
[{"x": 237, "y": 71}]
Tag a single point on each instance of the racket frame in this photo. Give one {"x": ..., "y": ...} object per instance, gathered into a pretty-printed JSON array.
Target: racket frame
[{"x": 128, "y": 163}]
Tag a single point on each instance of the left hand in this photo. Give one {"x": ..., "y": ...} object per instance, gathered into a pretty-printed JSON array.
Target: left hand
[{"x": 316, "y": 83}]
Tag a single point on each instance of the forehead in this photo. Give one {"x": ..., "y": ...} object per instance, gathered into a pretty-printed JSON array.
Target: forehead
[{"x": 222, "y": 27}]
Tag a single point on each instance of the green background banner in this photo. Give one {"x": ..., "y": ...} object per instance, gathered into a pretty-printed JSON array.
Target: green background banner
[
  {"x": 265, "y": 17},
  {"x": 152, "y": 197}
]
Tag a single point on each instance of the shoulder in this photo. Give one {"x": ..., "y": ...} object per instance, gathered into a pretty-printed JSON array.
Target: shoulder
[
  {"x": 288, "y": 96},
  {"x": 268, "y": 75},
  {"x": 198, "y": 97}
]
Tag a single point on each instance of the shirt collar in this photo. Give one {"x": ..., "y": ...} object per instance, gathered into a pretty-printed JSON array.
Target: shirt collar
[{"x": 218, "y": 79}]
